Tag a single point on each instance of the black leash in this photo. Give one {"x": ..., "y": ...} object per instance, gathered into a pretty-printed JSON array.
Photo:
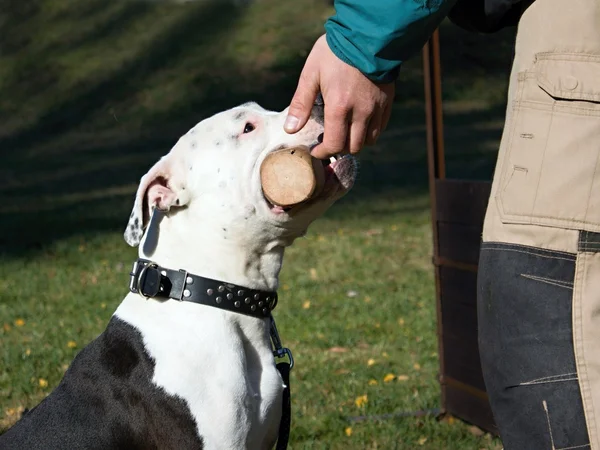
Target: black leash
[
  {"x": 284, "y": 370},
  {"x": 150, "y": 280},
  {"x": 286, "y": 412}
]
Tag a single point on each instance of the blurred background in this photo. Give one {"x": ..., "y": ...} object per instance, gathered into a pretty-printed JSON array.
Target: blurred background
[{"x": 93, "y": 92}]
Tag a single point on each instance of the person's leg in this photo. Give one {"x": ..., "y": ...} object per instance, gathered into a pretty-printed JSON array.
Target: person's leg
[
  {"x": 538, "y": 310},
  {"x": 526, "y": 345}
]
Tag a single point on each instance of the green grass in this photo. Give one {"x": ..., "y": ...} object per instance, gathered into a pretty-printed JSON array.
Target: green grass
[{"x": 93, "y": 93}]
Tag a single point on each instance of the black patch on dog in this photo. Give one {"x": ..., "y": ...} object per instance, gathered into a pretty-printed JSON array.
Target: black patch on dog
[
  {"x": 107, "y": 400},
  {"x": 240, "y": 115},
  {"x": 218, "y": 143}
]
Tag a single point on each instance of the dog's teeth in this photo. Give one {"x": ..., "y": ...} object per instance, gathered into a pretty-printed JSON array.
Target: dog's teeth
[{"x": 332, "y": 159}]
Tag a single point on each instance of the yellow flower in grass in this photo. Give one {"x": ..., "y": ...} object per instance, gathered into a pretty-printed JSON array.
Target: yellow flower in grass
[
  {"x": 306, "y": 304},
  {"x": 348, "y": 431},
  {"x": 370, "y": 362},
  {"x": 43, "y": 383},
  {"x": 71, "y": 344},
  {"x": 373, "y": 382},
  {"x": 361, "y": 400},
  {"x": 19, "y": 322},
  {"x": 389, "y": 377}
]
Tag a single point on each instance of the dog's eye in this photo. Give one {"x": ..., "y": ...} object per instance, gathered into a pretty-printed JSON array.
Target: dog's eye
[{"x": 248, "y": 128}]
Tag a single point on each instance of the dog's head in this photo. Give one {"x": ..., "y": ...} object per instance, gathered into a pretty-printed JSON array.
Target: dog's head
[{"x": 212, "y": 175}]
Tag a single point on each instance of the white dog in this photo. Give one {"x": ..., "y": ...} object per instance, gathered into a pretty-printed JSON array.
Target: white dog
[{"x": 169, "y": 373}]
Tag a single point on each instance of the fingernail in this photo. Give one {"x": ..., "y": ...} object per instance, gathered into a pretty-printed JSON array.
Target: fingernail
[{"x": 291, "y": 123}]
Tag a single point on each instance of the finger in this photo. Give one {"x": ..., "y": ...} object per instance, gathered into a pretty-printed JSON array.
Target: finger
[
  {"x": 374, "y": 129},
  {"x": 303, "y": 100},
  {"x": 335, "y": 134},
  {"x": 387, "y": 113},
  {"x": 358, "y": 132}
]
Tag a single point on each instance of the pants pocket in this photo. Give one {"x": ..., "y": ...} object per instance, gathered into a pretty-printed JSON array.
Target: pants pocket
[{"x": 551, "y": 172}]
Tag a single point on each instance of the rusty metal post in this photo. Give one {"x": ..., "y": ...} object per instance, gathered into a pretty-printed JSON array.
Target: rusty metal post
[{"x": 436, "y": 168}]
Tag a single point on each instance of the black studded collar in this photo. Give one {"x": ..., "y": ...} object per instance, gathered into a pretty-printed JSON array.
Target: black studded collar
[{"x": 153, "y": 281}]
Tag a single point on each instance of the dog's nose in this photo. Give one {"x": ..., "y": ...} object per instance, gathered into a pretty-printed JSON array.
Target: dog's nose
[{"x": 318, "y": 110}]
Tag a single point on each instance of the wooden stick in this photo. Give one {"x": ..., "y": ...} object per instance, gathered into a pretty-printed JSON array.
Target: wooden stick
[{"x": 290, "y": 176}]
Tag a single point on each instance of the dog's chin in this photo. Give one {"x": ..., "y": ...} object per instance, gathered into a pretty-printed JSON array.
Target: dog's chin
[{"x": 339, "y": 177}]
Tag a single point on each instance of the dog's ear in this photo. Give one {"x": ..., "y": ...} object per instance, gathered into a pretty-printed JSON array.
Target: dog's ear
[{"x": 162, "y": 187}]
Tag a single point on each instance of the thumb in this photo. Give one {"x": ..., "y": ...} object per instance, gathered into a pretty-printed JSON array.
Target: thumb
[{"x": 302, "y": 102}]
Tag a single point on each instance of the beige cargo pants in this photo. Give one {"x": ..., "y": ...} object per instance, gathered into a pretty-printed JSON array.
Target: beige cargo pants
[{"x": 539, "y": 279}]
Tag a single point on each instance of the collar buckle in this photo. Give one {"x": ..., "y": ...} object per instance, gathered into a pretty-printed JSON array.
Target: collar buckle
[{"x": 145, "y": 279}]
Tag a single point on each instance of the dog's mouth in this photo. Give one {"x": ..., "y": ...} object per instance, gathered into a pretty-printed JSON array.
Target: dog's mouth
[{"x": 339, "y": 176}]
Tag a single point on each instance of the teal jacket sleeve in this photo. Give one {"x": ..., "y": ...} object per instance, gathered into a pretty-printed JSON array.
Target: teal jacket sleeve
[{"x": 376, "y": 36}]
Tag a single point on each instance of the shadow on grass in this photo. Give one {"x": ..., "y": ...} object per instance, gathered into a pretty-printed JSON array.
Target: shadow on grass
[{"x": 70, "y": 166}]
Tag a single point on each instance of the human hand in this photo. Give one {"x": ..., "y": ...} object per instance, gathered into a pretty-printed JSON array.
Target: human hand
[{"x": 356, "y": 109}]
